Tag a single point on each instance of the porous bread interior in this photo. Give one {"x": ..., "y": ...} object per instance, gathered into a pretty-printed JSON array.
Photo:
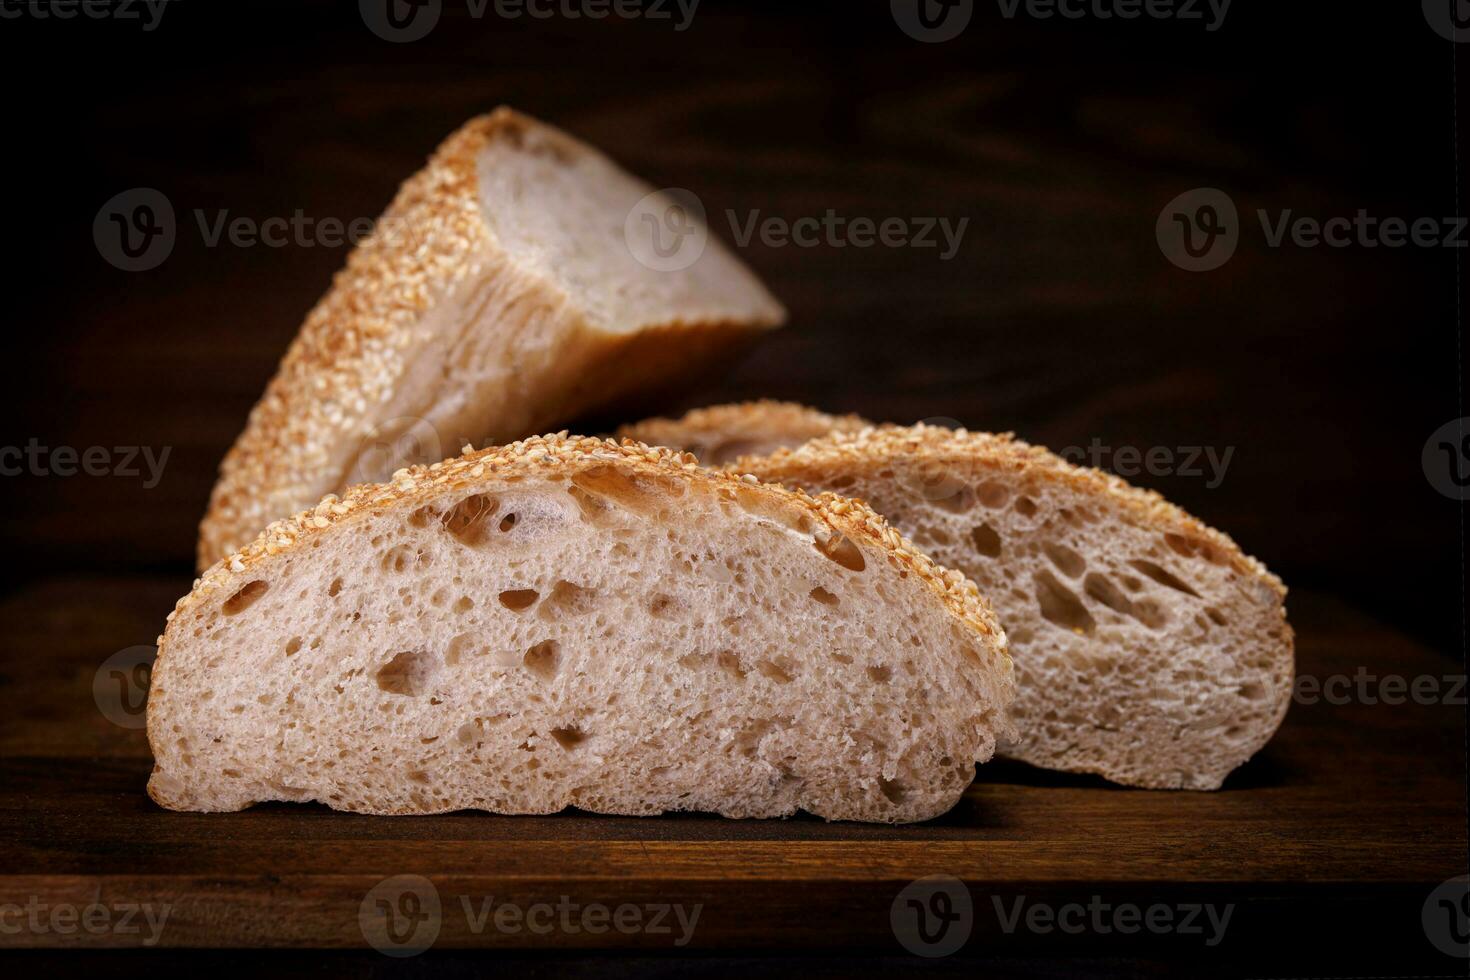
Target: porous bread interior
[
  {"x": 561, "y": 211},
  {"x": 621, "y": 644},
  {"x": 1148, "y": 651}
]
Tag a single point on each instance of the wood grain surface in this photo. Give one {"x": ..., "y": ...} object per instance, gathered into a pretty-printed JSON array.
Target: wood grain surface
[{"x": 1349, "y": 818}]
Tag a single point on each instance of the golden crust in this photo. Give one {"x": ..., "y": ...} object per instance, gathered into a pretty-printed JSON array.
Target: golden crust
[
  {"x": 958, "y": 451},
  {"x": 351, "y": 349},
  {"x": 357, "y": 344},
  {"x": 559, "y": 454},
  {"x": 763, "y": 418}
]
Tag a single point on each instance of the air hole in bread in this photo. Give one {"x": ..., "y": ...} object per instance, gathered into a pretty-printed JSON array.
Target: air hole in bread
[
  {"x": 1188, "y": 547},
  {"x": 1067, "y": 561},
  {"x": 986, "y": 540},
  {"x": 1216, "y": 616},
  {"x": 841, "y": 550},
  {"x": 242, "y": 600},
  {"x": 664, "y": 606},
  {"x": 1101, "y": 588},
  {"x": 824, "y": 597},
  {"x": 402, "y": 558},
  {"x": 778, "y": 670},
  {"x": 463, "y": 604},
  {"x": 542, "y": 659},
  {"x": 407, "y": 674},
  {"x": 1025, "y": 506},
  {"x": 568, "y": 598},
  {"x": 592, "y": 508},
  {"x": 612, "y": 484},
  {"x": 334, "y": 588},
  {"x": 729, "y": 662},
  {"x": 423, "y": 517},
  {"x": 763, "y": 505},
  {"x": 1060, "y": 606},
  {"x": 993, "y": 495},
  {"x": 1253, "y": 691},
  {"x": 467, "y": 520},
  {"x": 1163, "y": 576},
  {"x": 1151, "y": 613},
  {"x": 842, "y": 658},
  {"x": 293, "y": 645},
  {"x": 459, "y": 647},
  {"x": 959, "y": 502},
  {"x": 507, "y": 522},
  {"x": 893, "y": 791},
  {"x": 568, "y": 738},
  {"x": 519, "y": 600},
  {"x": 880, "y": 675}
]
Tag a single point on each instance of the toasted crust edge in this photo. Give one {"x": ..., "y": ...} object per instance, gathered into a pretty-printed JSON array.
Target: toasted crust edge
[
  {"x": 348, "y": 352},
  {"x": 761, "y": 413}
]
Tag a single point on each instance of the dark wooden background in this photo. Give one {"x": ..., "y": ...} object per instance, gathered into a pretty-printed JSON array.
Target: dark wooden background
[{"x": 1325, "y": 369}]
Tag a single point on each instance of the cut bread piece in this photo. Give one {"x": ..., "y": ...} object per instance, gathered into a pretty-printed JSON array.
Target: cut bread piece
[
  {"x": 1148, "y": 648},
  {"x": 499, "y": 296},
  {"x": 573, "y": 622},
  {"x": 720, "y": 433}
]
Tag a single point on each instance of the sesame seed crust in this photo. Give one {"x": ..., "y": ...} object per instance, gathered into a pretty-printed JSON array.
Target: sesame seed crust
[
  {"x": 359, "y": 357},
  {"x": 742, "y": 419},
  {"x": 963, "y": 451},
  {"x": 563, "y": 455}
]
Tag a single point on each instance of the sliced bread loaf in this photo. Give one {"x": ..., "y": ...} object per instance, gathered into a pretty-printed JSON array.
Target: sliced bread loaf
[
  {"x": 1148, "y": 648},
  {"x": 500, "y": 295},
  {"x": 574, "y": 622},
  {"x": 720, "y": 433}
]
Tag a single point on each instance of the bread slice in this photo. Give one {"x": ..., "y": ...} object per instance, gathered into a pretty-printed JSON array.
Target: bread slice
[
  {"x": 1148, "y": 648},
  {"x": 573, "y": 622},
  {"x": 720, "y": 433},
  {"x": 499, "y": 296}
]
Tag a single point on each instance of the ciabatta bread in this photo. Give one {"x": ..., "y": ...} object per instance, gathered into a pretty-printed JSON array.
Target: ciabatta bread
[
  {"x": 498, "y": 296},
  {"x": 1148, "y": 648},
  {"x": 720, "y": 433},
  {"x": 573, "y": 622}
]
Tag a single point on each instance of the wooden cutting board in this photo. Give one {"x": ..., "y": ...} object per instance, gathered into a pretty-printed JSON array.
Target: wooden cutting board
[{"x": 1335, "y": 835}]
